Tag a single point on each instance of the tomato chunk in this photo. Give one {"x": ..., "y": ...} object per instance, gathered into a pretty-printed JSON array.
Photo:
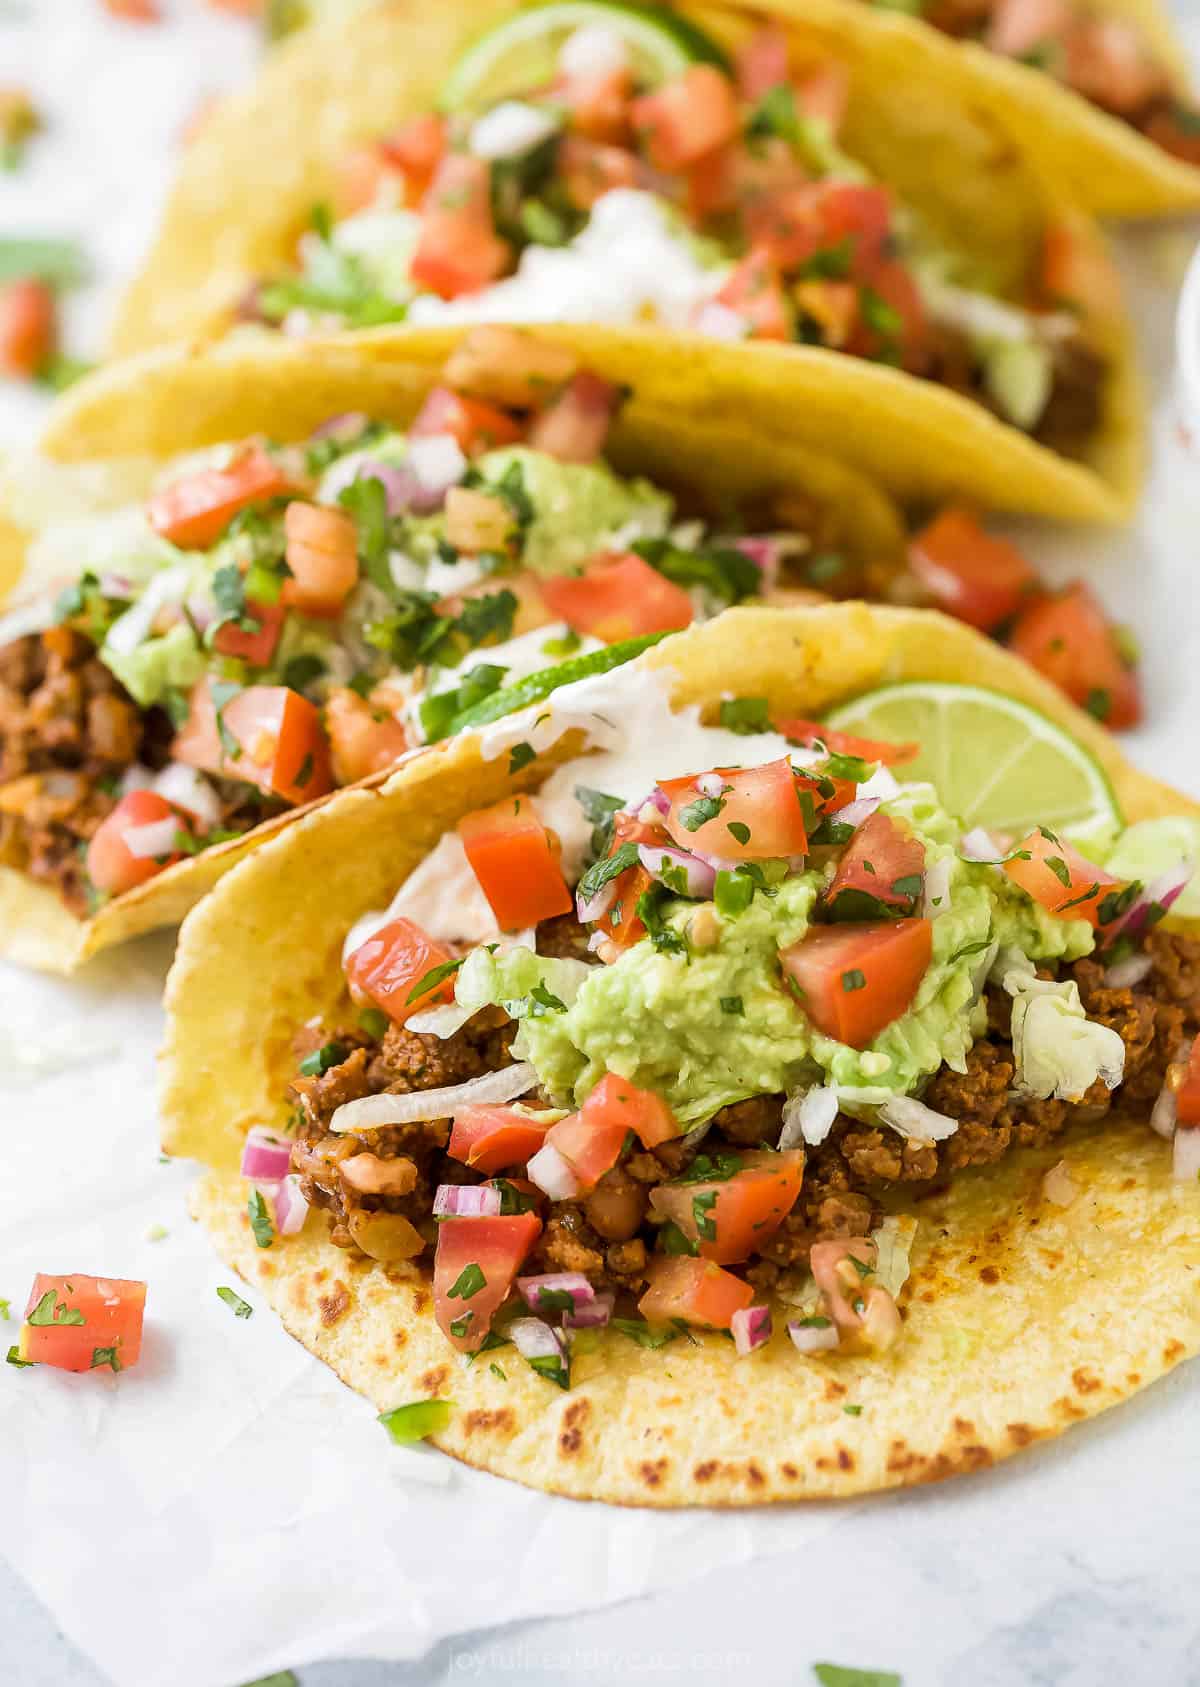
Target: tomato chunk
[
  {"x": 1187, "y": 1097},
  {"x": 793, "y": 224},
  {"x": 1068, "y": 637},
  {"x": 490, "y": 1138},
  {"x": 268, "y": 735},
  {"x": 475, "y": 425},
  {"x": 1077, "y": 270},
  {"x": 881, "y": 872},
  {"x": 416, "y": 149},
  {"x": 194, "y": 511},
  {"x": 978, "y": 579},
  {"x": 589, "y": 170},
  {"x": 590, "y": 1143},
  {"x": 696, "y": 1290},
  {"x": 322, "y": 553},
  {"x": 1063, "y": 881},
  {"x": 575, "y": 425},
  {"x": 762, "y": 63},
  {"x": 111, "y": 865},
  {"x": 1107, "y": 61},
  {"x": 473, "y": 1271},
  {"x": 618, "y": 596},
  {"x": 388, "y": 967},
  {"x": 597, "y": 102},
  {"x": 754, "y": 292},
  {"x": 891, "y": 321},
  {"x": 728, "y": 1219},
  {"x": 254, "y": 645},
  {"x": 27, "y": 327},
  {"x": 815, "y": 732},
  {"x": 757, "y": 814},
  {"x": 81, "y": 1323},
  {"x": 853, "y": 980},
  {"x": 364, "y": 737},
  {"x": 615, "y": 1100},
  {"x": 516, "y": 862},
  {"x": 686, "y": 118},
  {"x": 458, "y": 250}
]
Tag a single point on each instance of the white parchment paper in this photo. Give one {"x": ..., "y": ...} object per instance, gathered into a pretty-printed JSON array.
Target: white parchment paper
[{"x": 228, "y": 1508}]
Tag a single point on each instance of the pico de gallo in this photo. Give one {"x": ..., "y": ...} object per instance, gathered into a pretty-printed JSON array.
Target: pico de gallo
[
  {"x": 81, "y": 1323},
  {"x": 1105, "y": 58},
  {"x": 690, "y": 188},
  {"x": 277, "y": 621},
  {"x": 674, "y": 1040}
]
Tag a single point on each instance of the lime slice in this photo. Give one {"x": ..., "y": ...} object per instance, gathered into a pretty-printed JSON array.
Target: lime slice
[
  {"x": 522, "y": 52},
  {"x": 534, "y": 687},
  {"x": 995, "y": 762}
]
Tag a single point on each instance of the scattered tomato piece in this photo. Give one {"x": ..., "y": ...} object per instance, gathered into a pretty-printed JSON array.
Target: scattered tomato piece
[
  {"x": 1068, "y": 637},
  {"x": 590, "y": 1143},
  {"x": 195, "y": 510},
  {"x": 618, "y": 596},
  {"x": 254, "y": 645},
  {"x": 1063, "y": 881},
  {"x": 970, "y": 574},
  {"x": 387, "y": 967},
  {"x": 458, "y": 250},
  {"x": 881, "y": 872},
  {"x": 687, "y": 117},
  {"x": 754, "y": 813},
  {"x": 575, "y": 425},
  {"x": 111, "y": 865},
  {"x": 268, "y": 735},
  {"x": 476, "y": 1263},
  {"x": 475, "y": 425},
  {"x": 515, "y": 860},
  {"x": 322, "y": 553},
  {"x": 491, "y": 1138},
  {"x": 28, "y": 327},
  {"x": 853, "y": 980},
  {"x": 810, "y": 732},
  {"x": 615, "y": 1100},
  {"x": 364, "y": 736},
  {"x": 726, "y": 1219},
  {"x": 1187, "y": 1097},
  {"x": 81, "y": 1323},
  {"x": 696, "y": 1290}
]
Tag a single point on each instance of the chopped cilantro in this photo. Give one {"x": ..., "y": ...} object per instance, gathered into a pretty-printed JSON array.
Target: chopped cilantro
[
  {"x": 5, "y": 1310},
  {"x": 722, "y": 570},
  {"x": 373, "y": 1022},
  {"x": 223, "y": 693},
  {"x": 599, "y": 808},
  {"x": 738, "y": 830},
  {"x": 706, "y": 1168},
  {"x": 366, "y": 500},
  {"x": 461, "y": 1326},
  {"x": 468, "y": 1282},
  {"x": 260, "y": 1220},
  {"x": 645, "y": 1335},
  {"x": 546, "y": 1000},
  {"x": 14, "y": 1358},
  {"x": 50, "y": 1311},
  {"x": 601, "y": 873},
  {"x": 649, "y": 910},
  {"x": 838, "y": 1675},
  {"x": 432, "y": 979},
  {"x": 673, "y": 1241},
  {"x": 745, "y": 714},
  {"x": 302, "y": 670},
  {"x": 732, "y": 1004},
  {"x": 853, "y": 980},
  {"x": 497, "y": 1371},
  {"x": 520, "y": 756},
  {"x": 319, "y": 1062},
  {"x": 852, "y": 1411},
  {"x": 105, "y": 1356},
  {"x": 706, "y": 1225},
  {"x": 700, "y": 812}
]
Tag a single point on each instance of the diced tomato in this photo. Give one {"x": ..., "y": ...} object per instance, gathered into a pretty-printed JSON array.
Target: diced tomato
[
  {"x": 194, "y": 511},
  {"x": 387, "y": 967},
  {"x": 728, "y": 1219},
  {"x": 1068, "y": 637},
  {"x": 575, "y": 425},
  {"x": 695, "y": 1290},
  {"x": 509, "y": 366},
  {"x": 364, "y": 738},
  {"x": 27, "y": 327},
  {"x": 712, "y": 184},
  {"x": 821, "y": 794},
  {"x": 111, "y": 865},
  {"x": 459, "y": 250},
  {"x": 475, "y": 425},
  {"x": 762, "y": 63},
  {"x": 1176, "y": 128},
  {"x": 589, "y": 170},
  {"x": 618, "y": 596},
  {"x": 824, "y": 94},
  {"x": 882, "y": 864},
  {"x": 364, "y": 175},
  {"x": 322, "y": 553},
  {"x": 590, "y": 1143},
  {"x": 686, "y": 118},
  {"x": 478, "y": 1257},
  {"x": 853, "y": 980},
  {"x": 810, "y": 732},
  {"x": 1107, "y": 61},
  {"x": 491, "y": 1138},
  {"x": 258, "y": 646},
  {"x": 1019, "y": 27},
  {"x": 281, "y": 746},
  {"x": 621, "y": 923},
  {"x": 516, "y": 862},
  {"x": 416, "y": 149},
  {"x": 793, "y": 224},
  {"x": 759, "y": 816},
  {"x": 1077, "y": 271},
  {"x": 615, "y": 1100},
  {"x": 891, "y": 319},
  {"x": 135, "y": 11},
  {"x": 754, "y": 292},
  {"x": 1064, "y": 882},
  {"x": 81, "y": 1323},
  {"x": 970, "y": 574},
  {"x": 597, "y": 103},
  {"x": 1187, "y": 1096}
]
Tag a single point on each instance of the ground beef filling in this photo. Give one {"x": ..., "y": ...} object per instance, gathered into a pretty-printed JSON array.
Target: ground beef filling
[
  {"x": 609, "y": 1234},
  {"x": 68, "y": 731}
]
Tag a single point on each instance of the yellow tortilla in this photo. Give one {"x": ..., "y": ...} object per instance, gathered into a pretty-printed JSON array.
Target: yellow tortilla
[
  {"x": 106, "y": 441},
  {"x": 248, "y": 184},
  {"x": 1021, "y": 1318}
]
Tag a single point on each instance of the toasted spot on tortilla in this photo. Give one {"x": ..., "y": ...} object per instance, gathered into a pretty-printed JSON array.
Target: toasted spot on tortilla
[
  {"x": 706, "y": 1471},
  {"x": 399, "y": 1337},
  {"x": 989, "y": 1274},
  {"x": 1172, "y": 1351},
  {"x": 335, "y": 1305},
  {"x": 434, "y": 1378},
  {"x": 964, "y": 1426},
  {"x": 845, "y": 1458},
  {"x": 1021, "y": 1434},
  {"x": 1084, "y": 1381},
  {"x": 497, "y": 1420},
  {"x": 790, "y": 1471},
  {"x": 652, "y": 1471}
]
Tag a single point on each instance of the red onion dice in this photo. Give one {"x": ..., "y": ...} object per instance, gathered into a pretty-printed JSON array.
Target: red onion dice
[
  {"x": 266, "y": 1156},
  {"x": 291, "y": 1208},
  {"x": 466, "y": 1200},
  {"x": 556, "y": 1283},
  {"x": 765, "y": 554},
  {"x": 1153, "y": 901},
  {"x": 751, "y": 1326},
  {"x": 666, "y": 863},
  {"x": 591, "y": 1317},
  {"x": 343, "y": 427}
]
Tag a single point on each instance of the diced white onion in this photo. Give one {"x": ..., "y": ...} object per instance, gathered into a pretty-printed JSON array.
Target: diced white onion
[
  {"x": 1057, "y": 1185},
  {"x": 533, "y": 1338},
  {"x": 511, "y": 128},
  {"x": 188, "y": 787},
  {"x": 809, "y": 1117},
  {"x": 132, "y": 628},
  {"x": 552, "y": 1174},
  {"x": 978, "y": 845},
  {"x": 371, "y": 1112},
  {"x": 910, "y": 1118},
  {"x": 937, "y": 888},
  {"x": 137, "y": 778},
  {"x": 466, "y": 1200},
  {"x": 813, "y": 1338},
  {"x": 437, "y": 461},
  {"x": 882, "y": 784},
  {"x": 1123, "y": 975},
  {"x": 153, "y": 840},
  {"x": 855, "y": 813},
  {"x": 1185, "y": 1166},
  {"x": 593, "y": 50}
]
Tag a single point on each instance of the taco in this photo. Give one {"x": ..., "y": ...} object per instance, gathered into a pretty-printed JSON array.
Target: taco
[
  {"x": 693, "y": 1107},
  {"x": 237, "y": 630},
  {"x": 697, "y": 168}
]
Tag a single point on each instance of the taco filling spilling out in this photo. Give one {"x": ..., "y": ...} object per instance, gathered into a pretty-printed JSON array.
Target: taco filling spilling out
[
  {"x": 277, "y": 621},
  {"x": 632, "y": 171},
  {"x": 683, "y": 1036}
]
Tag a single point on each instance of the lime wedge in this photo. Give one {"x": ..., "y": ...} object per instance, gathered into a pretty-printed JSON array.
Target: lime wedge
[
  {"x": 995, "y": 762},
  {"x": 522, "y": 52},
  {"x": 534, "y": 687}
]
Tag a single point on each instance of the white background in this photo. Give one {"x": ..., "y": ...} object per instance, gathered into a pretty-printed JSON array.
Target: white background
[{"x": 228, "y": 1508}]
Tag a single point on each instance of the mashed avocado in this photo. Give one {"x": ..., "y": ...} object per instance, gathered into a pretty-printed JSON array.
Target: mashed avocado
[
  {"x": 175, "y": 661},
  {"x": 714, "y": 1024},
  {"x": 577, "y": 508}
]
